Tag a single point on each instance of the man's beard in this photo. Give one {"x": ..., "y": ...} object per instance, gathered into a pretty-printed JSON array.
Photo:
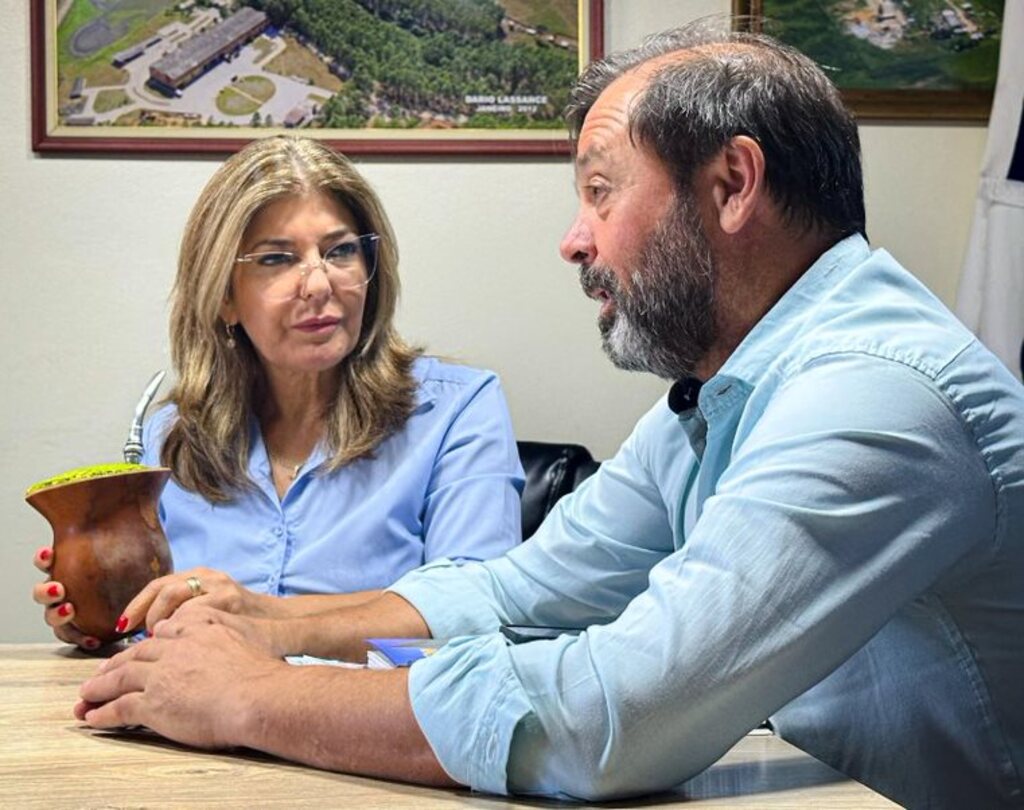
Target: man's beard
[{"x": 664, "y": 322}]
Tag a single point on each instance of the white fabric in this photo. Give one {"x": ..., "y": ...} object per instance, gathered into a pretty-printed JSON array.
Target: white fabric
[{"x": 990, "y": 300}]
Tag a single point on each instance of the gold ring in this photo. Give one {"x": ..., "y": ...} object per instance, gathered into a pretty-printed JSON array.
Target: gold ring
[{"x": 194, "y": 585}]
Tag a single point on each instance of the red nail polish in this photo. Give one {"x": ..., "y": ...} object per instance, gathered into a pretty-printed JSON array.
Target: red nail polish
[
  {"x": 53, "y": 590},
  {"x": 44, "y": 554},
  {"x": 91, "y": 643},
  {"x": 122, "y": 623},
  {"x": 64, "y": 609}
]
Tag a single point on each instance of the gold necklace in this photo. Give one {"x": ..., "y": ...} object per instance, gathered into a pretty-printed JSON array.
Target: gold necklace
[{"x": 291, "y": 470}]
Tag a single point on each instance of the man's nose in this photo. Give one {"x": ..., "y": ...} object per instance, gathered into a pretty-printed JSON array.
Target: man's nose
[{"x": 578, "y": 244}]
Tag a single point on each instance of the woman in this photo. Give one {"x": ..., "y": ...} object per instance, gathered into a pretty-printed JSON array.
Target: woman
[{"x": 312, "y": 450}]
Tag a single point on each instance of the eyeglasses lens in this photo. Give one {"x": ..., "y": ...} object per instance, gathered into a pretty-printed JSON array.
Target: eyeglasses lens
[{"x": 348, "y": 265}]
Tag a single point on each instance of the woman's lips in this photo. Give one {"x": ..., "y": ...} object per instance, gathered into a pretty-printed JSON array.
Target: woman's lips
[{"x": 314, "y": 325}]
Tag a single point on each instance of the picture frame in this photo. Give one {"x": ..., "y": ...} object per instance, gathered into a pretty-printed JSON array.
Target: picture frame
[
  {"x": 893, "y": 60},
  {"x": 157, "y": 70}
]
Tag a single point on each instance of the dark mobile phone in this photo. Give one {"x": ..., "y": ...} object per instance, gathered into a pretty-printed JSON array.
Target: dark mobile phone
[{"x": 521, "y": 633}]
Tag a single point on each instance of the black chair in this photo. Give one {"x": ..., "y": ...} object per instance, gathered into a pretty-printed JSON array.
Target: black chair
[{"x": 552, "y": 470}]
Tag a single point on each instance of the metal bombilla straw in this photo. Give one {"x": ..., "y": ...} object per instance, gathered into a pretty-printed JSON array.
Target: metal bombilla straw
[{"x": 133, "y": 447}]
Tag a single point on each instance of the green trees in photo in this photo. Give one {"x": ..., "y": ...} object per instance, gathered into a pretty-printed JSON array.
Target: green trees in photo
[{"x": 405, "y": 56}]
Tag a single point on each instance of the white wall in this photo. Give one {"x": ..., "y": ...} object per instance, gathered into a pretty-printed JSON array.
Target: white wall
[{"x": 87, "y": 249}]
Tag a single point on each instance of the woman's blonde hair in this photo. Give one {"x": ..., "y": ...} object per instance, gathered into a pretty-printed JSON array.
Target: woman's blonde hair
[{"x": 219, "y": 387}]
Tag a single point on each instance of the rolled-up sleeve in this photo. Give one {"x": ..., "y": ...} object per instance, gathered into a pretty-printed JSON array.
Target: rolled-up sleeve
[{"x": 470, "y": 684}]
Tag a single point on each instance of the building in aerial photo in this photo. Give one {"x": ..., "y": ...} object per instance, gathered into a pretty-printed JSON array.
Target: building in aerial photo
[{"x": 200, "y": 52}]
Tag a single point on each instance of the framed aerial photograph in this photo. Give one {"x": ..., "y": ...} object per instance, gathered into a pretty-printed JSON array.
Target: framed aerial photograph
[
  {"x": 894, "y": 59},
  {"x": 369, "y": 76}
]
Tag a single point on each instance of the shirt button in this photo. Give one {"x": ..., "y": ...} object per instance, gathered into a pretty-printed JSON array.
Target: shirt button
[{"x": 278, "y": 531}]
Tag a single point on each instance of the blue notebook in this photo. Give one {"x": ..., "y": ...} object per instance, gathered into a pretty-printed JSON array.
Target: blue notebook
[{"x": 386, "y": 653}]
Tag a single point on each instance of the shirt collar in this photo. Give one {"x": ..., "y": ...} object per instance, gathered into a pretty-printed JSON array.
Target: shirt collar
[
  {"x": 777, "y": 329},
  {"x": 694, "y": 402}
]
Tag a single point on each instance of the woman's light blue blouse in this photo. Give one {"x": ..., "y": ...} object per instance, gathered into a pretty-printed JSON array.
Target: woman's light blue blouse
[{"x": 446, "y": 486}]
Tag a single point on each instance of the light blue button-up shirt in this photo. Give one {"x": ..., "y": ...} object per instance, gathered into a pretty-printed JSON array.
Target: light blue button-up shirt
[
  {"x": 834, "y": 537},
  {"x": 446, "y": 485}
]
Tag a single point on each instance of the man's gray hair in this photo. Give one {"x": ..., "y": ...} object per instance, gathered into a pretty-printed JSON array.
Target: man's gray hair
[{"x": 728, "y": 83}]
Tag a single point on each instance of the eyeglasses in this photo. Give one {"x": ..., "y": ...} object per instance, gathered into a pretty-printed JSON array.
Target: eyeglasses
[{"x": 348, "y": 265}]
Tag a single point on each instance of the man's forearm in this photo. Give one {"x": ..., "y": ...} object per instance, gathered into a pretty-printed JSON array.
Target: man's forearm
[
  {"x": 354, "y": 721},
  {"x": 200, "y": 682}
]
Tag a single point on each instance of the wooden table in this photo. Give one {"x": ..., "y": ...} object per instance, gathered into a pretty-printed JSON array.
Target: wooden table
[{"x": 48, "y": 759}]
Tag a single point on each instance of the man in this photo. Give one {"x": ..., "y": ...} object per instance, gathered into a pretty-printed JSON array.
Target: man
[{"x": 821, "y": 523}]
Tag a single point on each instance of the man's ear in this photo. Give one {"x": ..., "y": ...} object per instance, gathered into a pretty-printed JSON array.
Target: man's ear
[{"x": 737, "y": 182}]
